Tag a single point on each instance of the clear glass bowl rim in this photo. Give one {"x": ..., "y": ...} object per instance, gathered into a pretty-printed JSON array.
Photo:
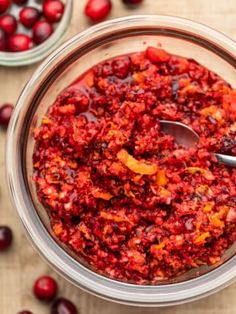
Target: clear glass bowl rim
[{"x": 159, "y": 295}]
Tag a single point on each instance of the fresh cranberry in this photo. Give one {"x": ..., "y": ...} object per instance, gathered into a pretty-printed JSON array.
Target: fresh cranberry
[
  {"x": 25, "y": 312},
  {"x": 5, "y": 237},
  {"x": 19, "y": 42},
  {"x": 8, "y": 23},
  {"x": 41, "y": 31},
  {"x": 53, "y": 10},
  {"x": 20, "y": 2},
  {"x": 5, "y": 114},
  {"x": 29, "y": 16},
  {"x": 63, "y": 306},
  {"x": 3, "y": 40},
  {"x": 98, "y": 10},
  {"x": 4, "y": 5},
  {"x": 45, "y": 288},
  {"x": 132, "y": 1}
]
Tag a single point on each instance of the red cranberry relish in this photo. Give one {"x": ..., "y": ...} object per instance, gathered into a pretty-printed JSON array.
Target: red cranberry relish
[{"x": 124, "y": 196}]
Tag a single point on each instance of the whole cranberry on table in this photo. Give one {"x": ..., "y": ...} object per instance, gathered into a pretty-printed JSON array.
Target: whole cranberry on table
[
  {"x": 5, "y": 114},
  {"x": 63, "y": 306},
  {"x": 98, "y": 10},
  {"x": 4, "y": 5},
  {"x": 45, "y": 288},
  {"x": 8, "y": 23},
  {"x": 5, "y": 238},
  {"x": 25, "y": 312}
]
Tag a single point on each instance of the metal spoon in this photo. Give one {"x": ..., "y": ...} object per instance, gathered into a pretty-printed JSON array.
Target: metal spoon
[{"x": 186, "y": 136}]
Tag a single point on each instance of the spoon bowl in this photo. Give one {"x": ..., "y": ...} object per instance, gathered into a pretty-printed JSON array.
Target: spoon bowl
[
  {"x": 187, "y": 137},
  {"x": 182, "y": 133}
]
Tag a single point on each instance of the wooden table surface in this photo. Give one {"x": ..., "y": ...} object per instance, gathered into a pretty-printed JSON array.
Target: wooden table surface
[{"x": 22, "y": 264}]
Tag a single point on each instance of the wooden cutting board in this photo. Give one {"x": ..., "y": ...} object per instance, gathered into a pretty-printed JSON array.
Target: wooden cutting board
[{"x": 22, "y": 264}]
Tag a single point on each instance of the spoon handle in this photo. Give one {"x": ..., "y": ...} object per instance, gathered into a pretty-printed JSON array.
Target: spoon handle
[{"x": 227, "y": 160}]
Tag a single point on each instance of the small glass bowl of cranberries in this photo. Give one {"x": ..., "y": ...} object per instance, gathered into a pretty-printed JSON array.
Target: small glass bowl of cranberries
[
  {"x": 31, "y": 29},
  {"x": 122, "y": 37}
]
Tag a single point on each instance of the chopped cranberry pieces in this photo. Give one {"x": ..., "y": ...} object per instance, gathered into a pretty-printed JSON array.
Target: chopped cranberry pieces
[
  {"x": 98, "y": 10},
  {"x": 189, "y": 224},
  {"x": 53, "y": 10},
  {"x": 5, "y": 114},
  {"x": 4, "y": 5},
  {"x": 5, "y": 238},
  {"x": 8, "y": 23},
  {"x": 42, "y": 31},
  {"x": 129, "y": 200},
  {"x": 156, "y": 55},
  {"x": 231, "y": 215},
  {"x": 45, "y": 288},
  {"x": 29, "y": 16},
  {"x": 19, "y": 42},
  {"x": 121, "y": 67},
  {"x": 63, "y": 306}
]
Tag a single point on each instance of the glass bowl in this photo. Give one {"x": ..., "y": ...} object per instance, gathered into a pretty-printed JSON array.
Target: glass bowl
[
  {"x": 116, "y": 37},
  {"x": 39, "y": 52}
]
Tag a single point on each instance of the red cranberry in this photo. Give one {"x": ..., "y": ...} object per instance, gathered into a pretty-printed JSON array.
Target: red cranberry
[
  {"x": 19, "y": 42},
  {"x": 3, "y": 40},
  {"x": 8, "y": 23},
  {"x": 45, "y": 288},
  {"x": 98, "y": 10},
  {"x": 4, "y": 5},
  {"x": 5, "y": 237},
  {"x": 53, "y": 10},
  {"x": 41, "y": 31},
  {"x": 121, "y": 67},
  {"x": 20, "y": 2},
  {"x": 25, "y": 312},
  {"x": 29, "y": 16},
  {"x": 132, "y": 1},
  {"x": 63, "y": 306},
  {"x": 5, "y": 114}
]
